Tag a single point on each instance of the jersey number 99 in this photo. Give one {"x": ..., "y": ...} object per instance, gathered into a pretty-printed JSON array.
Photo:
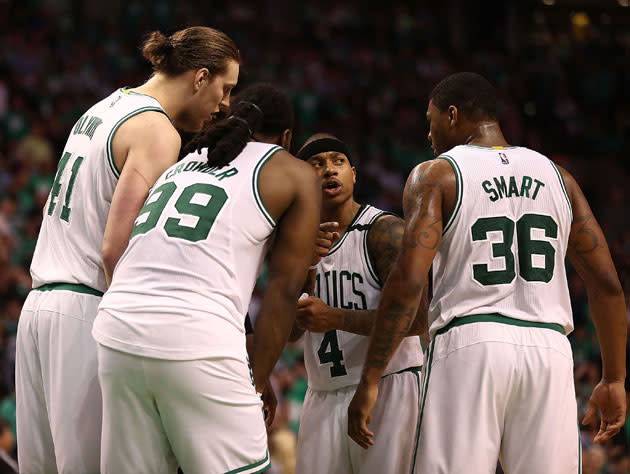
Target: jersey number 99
[{"x": 206, "y": 213}]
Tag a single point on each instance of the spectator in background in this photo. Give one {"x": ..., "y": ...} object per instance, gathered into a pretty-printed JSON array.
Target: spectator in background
[{"x": 8, "y": 464}]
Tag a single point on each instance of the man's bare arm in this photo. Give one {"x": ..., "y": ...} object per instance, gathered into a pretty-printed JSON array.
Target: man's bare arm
[
  {"x": 400, "y": 300},
  {"x": 589, "y": 254},
  {"x": 288, "y": 264},
  {"x": 422, "y": 202},
  {"x": 144, "y": 147}
]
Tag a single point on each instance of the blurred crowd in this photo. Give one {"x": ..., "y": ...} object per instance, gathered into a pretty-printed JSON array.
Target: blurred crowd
[{"x": 361, "y": 73}]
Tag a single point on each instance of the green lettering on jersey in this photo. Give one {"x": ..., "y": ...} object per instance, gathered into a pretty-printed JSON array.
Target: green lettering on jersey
[
  {"x": 227, "y": 173},
  {"x": 526, "y": 185},
  {"x": 329, "y": 352},
  {"x": 487, "y": 187},
  {"x": 358, "y": 278},
  {"x": 334, "y": 285},
  {"x": 539, "y": 184},
  {"x": 326, "y": 276},
  {"x": 501, "y": 186},
  {"x": 344, "y": 274},
  {"x": 513, "y": 190},
  {"x": 87, "y": 125}
]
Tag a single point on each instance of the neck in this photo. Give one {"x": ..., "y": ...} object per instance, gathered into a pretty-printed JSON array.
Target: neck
[
  {"x": 170, "y": 94},
  {"x": 486, "y": 134},
  {"x": 343, "y": 213}
]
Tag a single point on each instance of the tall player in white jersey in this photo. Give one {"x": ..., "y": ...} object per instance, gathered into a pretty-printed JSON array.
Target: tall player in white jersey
[
  {"x": 338, "y": 319},
  {"x": 113, "y": 155},
  {"x": 172, "y": 359},
  {"x": 497, "y": 221}
]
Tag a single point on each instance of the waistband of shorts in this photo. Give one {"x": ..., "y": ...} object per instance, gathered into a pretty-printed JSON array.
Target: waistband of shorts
[
  {"x": 415, "y": 369},
  {"x": 76, "y": 287},
  {"x": 498, "y": 318}
]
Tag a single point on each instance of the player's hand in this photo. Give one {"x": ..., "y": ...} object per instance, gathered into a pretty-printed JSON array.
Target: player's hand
[
  {"x": 327, "y": 235},
  {"x": 610, "y": 399},
  {"x": 316, "y": 316},
  {"x": 360, "y": 414},
  {"x": 269, "y": 403}
]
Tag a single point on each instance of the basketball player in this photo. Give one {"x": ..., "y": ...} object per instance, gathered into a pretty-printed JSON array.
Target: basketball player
[
  {"x": 496, "y": 221},
  {"x": 113, "y": 155},
  {"x": 338, "y": 319},
  {"x": 173, "y": 365}
]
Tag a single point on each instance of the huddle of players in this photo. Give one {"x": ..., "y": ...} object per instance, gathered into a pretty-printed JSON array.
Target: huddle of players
[{"x": 187, "y": 240}]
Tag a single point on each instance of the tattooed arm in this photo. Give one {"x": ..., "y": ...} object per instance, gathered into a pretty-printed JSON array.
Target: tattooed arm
[
  {"x": 384, "y": 240},
  {"x": 384, "y": 244},
  {"x": 423, "y": 203},
  {"x": 589, "y": 254}
]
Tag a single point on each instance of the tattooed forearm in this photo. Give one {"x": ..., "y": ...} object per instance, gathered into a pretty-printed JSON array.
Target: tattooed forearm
[
  {"x": 388, "y": 332},
  {"x": 358, "y": 321}
]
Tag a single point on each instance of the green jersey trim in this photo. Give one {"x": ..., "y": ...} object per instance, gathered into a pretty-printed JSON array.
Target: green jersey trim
[
  {"x": 262, "y": 465},
  {"x": 493, "y": 148},
  {"x": 256, "y": 185},
  {"x": 368, "y": 259},
  {"x": 498, "y": 318},
  {"x": 76, "y": 287},
  {"x": 415, "y": 446},
  {"x": 110, "y": 138},
  {"x": 563, "y": 186},
  {"x": 422, "y": 401},
  {"x": 416, "y": 369},
  {"x": 459, "y": 188},
  {"x": 362, "y": 210}
]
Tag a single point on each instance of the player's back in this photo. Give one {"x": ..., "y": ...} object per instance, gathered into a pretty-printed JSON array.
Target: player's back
[
  {"x": 182, "y": 287},
  {"x": 69, "y": 244},
  {"x": 504, "y": 243}
]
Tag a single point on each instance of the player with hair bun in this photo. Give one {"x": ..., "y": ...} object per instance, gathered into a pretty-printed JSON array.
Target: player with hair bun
[{"x": 112, "y": 157}]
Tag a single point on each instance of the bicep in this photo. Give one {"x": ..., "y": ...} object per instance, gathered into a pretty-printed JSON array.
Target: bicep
[
  {"x": 587, "y": 248},
  {"x": 295, "y": 236},
  {"x": 149, "y": 153},
  {"x": 384, "y": 241},
  {"x": 422, "y": 236}
]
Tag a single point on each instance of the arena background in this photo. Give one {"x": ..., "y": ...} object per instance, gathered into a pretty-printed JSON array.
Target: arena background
[{"x": 562, "y": 69}]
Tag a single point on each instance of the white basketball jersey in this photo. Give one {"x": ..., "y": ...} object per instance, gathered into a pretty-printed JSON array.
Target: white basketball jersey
[
  {"x": 346, "y": 279},
  {"x": 69, "y": 244},
  {"x": 504, "y": 244},
  {"x": 182, "y": 287}
]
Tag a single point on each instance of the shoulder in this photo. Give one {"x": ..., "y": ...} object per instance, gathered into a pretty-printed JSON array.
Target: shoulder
[
  {"x": 283, "y": 163},
  {"x": 387, "y": 229},
  {"x": 569, "y": 181},
  {"x": 383, "y": 223},
  {"x": 151, "y": 125},
  {"x": 430, "y": 176},
  {"x": 438, "y": 169}
]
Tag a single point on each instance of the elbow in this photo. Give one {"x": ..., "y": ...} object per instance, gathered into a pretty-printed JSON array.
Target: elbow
[
  {"x": 109, "y": 259},
  {"x": 607, "y": 285}
]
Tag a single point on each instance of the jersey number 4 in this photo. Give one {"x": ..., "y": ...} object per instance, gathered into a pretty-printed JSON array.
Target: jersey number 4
[
  {"x": 329, "y": 352},
  {"x": 56, "y": 187},
  {"x": 527, "y": 248},
  {"x": 185, "y": 205}
]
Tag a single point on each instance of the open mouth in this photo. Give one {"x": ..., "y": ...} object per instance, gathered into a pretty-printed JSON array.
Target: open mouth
[{"x": 332, "y": 188}]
